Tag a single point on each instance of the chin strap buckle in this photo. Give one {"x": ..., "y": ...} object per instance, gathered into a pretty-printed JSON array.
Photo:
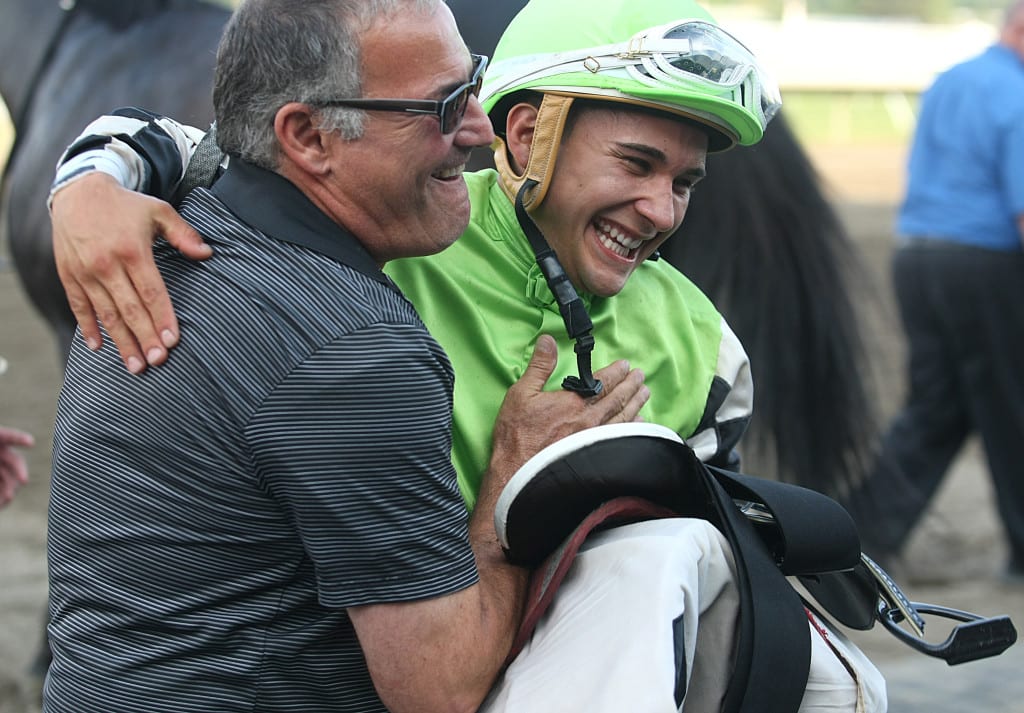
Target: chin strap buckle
[{"x": 585, "y": 384}]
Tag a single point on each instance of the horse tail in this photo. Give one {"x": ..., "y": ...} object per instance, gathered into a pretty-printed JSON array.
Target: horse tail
[{"x": 762, "y": 240}]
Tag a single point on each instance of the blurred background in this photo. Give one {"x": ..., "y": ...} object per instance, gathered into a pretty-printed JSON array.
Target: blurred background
[{"x": 851, "y": 72}]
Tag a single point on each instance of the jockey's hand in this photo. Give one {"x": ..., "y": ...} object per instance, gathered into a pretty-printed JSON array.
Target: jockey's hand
[
  {"x": 13, "y": 470},
  {"x": 102, "y": 241}
]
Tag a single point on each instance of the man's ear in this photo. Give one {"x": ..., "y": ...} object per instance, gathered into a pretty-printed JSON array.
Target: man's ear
[
  {"x": 300, "y": 140},
  {"x": 520, "y": 124}
]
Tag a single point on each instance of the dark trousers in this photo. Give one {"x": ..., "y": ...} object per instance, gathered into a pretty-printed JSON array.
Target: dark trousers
[{"x": 963, "y": 313}]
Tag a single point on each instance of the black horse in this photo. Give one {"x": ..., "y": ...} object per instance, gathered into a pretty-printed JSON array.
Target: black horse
[
  {"x": 61, "y": 68},
  {"x": 760, "y": 238}
]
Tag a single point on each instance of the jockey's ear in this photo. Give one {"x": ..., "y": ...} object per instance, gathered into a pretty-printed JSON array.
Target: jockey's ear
[
  {"x": 520, "y": 124},
  {"x": 300, "y": 140}
]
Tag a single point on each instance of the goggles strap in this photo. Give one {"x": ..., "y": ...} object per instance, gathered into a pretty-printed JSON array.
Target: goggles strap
[{"x": 519, "y": 70}]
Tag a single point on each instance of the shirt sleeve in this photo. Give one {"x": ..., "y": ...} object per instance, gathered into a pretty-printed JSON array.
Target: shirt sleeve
[
  {"x": 143, "y": 151},
  {"x": 729, "y": 406}
]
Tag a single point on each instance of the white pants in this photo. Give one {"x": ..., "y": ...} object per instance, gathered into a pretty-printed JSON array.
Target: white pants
[{"x": 635, "y": 597}]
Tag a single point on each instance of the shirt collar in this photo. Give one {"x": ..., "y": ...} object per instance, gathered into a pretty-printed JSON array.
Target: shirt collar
[
  {"x": 505, "y": 223},
  {"x": 272, "y": 204}
]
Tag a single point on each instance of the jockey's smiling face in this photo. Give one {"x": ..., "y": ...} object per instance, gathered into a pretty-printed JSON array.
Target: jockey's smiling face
[{"x": 621, "y": 186}]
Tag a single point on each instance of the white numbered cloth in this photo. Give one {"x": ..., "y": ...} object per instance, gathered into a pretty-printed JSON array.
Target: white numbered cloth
[{"x": 640, "y": 603}]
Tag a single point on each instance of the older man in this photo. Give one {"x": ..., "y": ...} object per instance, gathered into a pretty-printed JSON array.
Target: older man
[{"x": 272, "y": 522}]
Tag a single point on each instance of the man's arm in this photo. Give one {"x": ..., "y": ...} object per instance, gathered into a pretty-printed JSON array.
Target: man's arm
[
  {"x": 102, "y": 234},
  {"x": 143, "y": 151},
  {"x": 444, "y": 654}
]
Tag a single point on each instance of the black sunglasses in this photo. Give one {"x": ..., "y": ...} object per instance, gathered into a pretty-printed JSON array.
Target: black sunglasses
[{"x": 450, "y": 111}]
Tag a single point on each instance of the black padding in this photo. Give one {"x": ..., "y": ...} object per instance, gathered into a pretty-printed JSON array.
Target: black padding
[
  {"x": 812, "y": 532},
  {"x": 850, "y": 597},
  {"x": 562, "y": 494}
]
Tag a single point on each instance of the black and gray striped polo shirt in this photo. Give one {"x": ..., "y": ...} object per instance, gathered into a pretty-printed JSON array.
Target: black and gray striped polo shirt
[{"x": 211, "y": 519}]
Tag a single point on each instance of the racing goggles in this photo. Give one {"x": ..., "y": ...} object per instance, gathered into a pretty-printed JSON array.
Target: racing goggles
[
  {"x": 449, "y": 111},
  {"x": 675, "y": 63}
]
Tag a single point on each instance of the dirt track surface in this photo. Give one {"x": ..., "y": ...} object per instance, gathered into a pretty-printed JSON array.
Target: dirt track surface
[{"x": 959, "y": 546}]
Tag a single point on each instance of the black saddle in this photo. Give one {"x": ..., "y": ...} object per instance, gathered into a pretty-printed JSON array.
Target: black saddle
[{"x": 622, "y": 473}]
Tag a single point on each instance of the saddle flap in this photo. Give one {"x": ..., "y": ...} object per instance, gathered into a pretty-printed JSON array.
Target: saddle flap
[
  {"x": 807, "y": 533},
  {"x": 560, "y": 486}
]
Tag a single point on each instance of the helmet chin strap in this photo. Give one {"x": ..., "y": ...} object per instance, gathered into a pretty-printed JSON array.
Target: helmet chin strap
[
  {"x": 547, "y": 137},
  {"x": 574, "y": 313},
  {"x": 528, "y": 189}
]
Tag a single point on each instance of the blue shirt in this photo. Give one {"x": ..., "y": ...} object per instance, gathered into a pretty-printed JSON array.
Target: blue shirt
[{"x": 965, "y": 180}]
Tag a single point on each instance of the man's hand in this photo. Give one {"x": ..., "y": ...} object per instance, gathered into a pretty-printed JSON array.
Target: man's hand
[
  {"x": 531, "y": 418},
  {"x": 13, "y": 470},
  {"x": 102, "y": 242}
]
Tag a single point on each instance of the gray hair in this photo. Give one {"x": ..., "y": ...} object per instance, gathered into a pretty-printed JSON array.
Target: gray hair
[{"x": 279, "y": 51}]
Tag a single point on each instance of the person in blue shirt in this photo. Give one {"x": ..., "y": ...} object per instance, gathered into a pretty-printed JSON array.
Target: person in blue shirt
[{"x": 959, "y": 279}]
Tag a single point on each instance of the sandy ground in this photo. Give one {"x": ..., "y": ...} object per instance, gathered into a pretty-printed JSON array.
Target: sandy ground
[{"x": 959, "y": 546}]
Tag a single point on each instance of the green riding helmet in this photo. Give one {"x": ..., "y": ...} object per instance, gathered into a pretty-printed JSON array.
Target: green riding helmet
[{"x": 668, "y": 55}]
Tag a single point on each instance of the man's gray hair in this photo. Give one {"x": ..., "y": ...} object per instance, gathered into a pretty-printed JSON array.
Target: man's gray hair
[{"x": 279, "y": 51}]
